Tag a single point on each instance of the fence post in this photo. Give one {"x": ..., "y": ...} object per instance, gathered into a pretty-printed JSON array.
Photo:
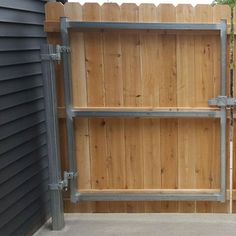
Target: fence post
[{"x": 57, "y": 211}]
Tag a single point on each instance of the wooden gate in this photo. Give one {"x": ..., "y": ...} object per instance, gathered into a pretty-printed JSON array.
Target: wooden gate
[{"x": 143, "y": 70}]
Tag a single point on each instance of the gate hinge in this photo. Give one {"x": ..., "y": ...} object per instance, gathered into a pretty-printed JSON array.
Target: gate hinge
[
  {"x": 55, "y": 56},
  {"x": 222, "y": 101},
  {"x": 63, "y": 184}
]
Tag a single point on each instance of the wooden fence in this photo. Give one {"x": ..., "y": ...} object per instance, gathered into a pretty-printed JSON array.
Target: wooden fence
[{"x": 143, "y": 69}]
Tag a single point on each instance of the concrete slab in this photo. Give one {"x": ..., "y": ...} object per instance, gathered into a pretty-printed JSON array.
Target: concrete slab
[{"x": 145, "y": 225}]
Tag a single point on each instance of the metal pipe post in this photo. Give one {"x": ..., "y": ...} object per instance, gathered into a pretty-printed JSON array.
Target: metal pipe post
[
  {"x": 57, "y": 210},
  {"x": 68, "y": 105},
  {"x": 223, "y": 45},
  {"x": 223, "y": 154},
  {"x": 223, "y": 120}
]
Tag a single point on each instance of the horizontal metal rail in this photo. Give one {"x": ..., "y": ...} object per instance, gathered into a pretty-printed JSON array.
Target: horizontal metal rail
[
  {"x": 146, "y": 114},
  {"x": 141, "y": 26},
  {"x": 147, "y": 197}
]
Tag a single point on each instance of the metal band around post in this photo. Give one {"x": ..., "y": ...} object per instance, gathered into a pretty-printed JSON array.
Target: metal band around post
[{"x": 68, "y": 105}]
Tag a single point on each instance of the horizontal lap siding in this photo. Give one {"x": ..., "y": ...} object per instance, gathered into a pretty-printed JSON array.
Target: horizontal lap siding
[{"x": 23, "y": 152}]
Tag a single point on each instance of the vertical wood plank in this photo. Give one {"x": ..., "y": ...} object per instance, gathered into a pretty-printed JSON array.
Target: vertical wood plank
[
  {"x": 234, "y": 145},
  {"x": 96, "y": 97},
  {"x": 204, "y": 90},
  {"x": 234, "y": 161},
  {"x": 114, "y": 98},
  {"x": 234, "y": 169},
  {"x": 53, "y": 12},
  {"x": 186, "y": 98},
  {"x": 132, "y": 87},
  {"x": 79, "y": 92},
  {"x": 168, "y": 98},
  {"x": 150, "y": 44}
]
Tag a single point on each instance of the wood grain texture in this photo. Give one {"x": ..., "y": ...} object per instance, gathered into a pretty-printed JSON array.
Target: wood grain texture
[
  {"x": 150, "y": 44},
  {"x": 114, "y": 97},
  {"x": 96, "y": 97},
  {"x": 168, "y": 97},
  {"x": 148, "y": 70},
  {"x": 186, "y": 97},
  {"x": 204, "y": 91},
  {"x": 53, "y": 11},
  {"x": 79, "y": 95},
  {"x": 132, "y": 89}
]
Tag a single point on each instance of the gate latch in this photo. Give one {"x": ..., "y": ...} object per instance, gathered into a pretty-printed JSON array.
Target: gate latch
[
  {"x": 63, "y": 185},
  {"x": 222, "y": 101},
  {"x": 55, "y": 56}
]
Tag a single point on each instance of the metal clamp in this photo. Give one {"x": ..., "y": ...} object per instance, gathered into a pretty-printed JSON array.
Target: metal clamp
[
  {"x": 63, "y": 185},
  {"x": 63, "y": 49},
  {"x": 55, "y": 56},
  {"x": 222, "y": 101}
]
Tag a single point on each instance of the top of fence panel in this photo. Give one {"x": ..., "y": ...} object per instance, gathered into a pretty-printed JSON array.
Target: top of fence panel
[{"x": 184, "y": 13}]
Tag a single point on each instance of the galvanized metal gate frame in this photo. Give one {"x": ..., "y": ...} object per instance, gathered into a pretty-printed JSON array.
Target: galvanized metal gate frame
[
  {"x": 72, "y": 113},
  {"x": 222, "y": 102}
]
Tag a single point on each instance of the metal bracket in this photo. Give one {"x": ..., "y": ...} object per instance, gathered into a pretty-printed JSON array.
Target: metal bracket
[
  {"x": 55, "y": 56},
  {"x": 63, "y": 185},
  {"x": 222, "y": 101}
]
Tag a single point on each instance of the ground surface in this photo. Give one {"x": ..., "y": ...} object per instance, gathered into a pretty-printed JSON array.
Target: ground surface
[{"x": 145, "y": 224}]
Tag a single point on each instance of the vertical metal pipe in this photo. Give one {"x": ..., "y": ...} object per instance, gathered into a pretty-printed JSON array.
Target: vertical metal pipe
[
  {"x": 231, "y": 175},
  {"x": 223, "y": 154},
  {"x": 223, "y": 42},
  {"x": 68, "y": 106},
  {"x": 57, "y": 211},
  {"x": 223, "y": 37}
]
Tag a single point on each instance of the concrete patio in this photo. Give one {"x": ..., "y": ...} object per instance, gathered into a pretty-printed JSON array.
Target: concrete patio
[{"x": 145, "y": 224}]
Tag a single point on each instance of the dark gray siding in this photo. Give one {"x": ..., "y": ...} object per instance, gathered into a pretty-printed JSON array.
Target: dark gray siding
[{"x": 24, "y": 197}]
